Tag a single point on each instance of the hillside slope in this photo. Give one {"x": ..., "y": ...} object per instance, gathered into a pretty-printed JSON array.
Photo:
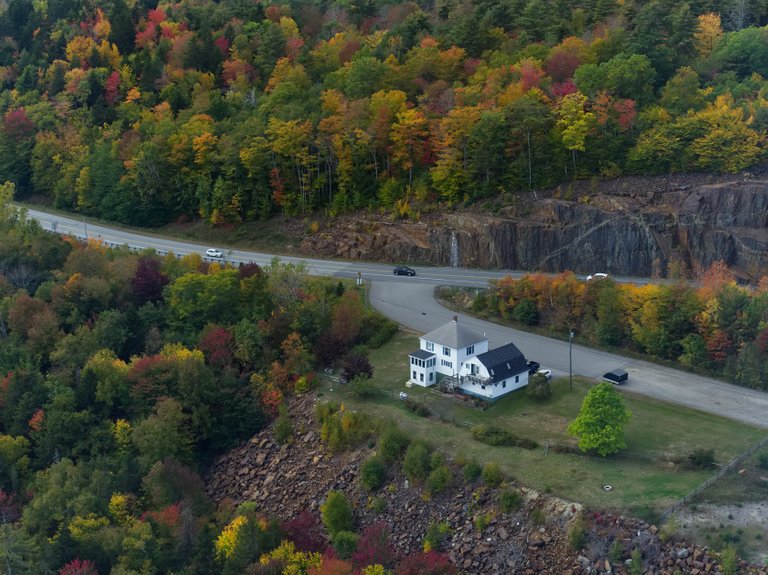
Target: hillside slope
[{"x": 285, "y": 480}]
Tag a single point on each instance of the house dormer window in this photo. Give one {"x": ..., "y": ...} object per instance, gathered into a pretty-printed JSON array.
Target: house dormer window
[
  {"x": 471, "y": 350},
  {"x": 430, "y": 346},
  {"x": 446, "y": 350}
]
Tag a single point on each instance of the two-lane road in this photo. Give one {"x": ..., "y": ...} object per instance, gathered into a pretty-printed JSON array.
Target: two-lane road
[{"x": 410, "y": 302}]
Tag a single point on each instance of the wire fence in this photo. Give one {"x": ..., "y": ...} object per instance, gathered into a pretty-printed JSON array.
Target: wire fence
[{"x": 672, "y": 509}]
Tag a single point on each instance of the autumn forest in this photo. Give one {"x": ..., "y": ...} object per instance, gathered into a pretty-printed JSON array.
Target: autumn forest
[
  {"x": 123, "y": 375},
  {"x": 233, "y": 111}
]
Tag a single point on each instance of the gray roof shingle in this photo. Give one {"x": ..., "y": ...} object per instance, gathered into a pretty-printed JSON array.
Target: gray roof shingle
[
  {"x": 422, "y": 354},
  {"x": 453, "y": 334}
]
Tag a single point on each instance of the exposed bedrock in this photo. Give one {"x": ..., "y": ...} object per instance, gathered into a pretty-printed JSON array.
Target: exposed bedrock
[{"x": 640, "y": 231}]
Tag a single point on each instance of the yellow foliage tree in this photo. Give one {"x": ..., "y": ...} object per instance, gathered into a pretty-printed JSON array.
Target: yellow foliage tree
[
  {"x": 226, "y": 542},
  {"x": 79, "y": 49},
  {"x": 295, "y": 562},
  {"x": 707, "y": 33}
]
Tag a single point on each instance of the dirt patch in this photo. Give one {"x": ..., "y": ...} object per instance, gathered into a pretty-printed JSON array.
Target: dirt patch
[{"x": 744, "y": 525}]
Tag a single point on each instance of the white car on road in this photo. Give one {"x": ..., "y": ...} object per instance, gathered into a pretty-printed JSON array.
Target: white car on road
[{"x": 213, "y": 253}]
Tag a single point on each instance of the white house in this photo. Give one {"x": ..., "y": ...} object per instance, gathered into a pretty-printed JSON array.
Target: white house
[
  {"x": 494, "y": 373},
  {"x": 457, "y": 355},
  {"x": 443, "y": 351}
]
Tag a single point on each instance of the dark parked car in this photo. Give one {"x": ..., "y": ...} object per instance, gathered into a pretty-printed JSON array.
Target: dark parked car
[
  {"x": 404, "y": 271},
  {"x": 533, "y": 367},
  {"x": 616, "y": 377}
]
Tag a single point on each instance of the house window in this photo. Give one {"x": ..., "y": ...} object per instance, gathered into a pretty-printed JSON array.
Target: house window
[
  {"x": 471, "y": 350},
  {"x": 430, "y": 346},
  {"x": 413, "y": 360},
  {"x": 446, "y": 350},
  {"x": 482, "y": 387},
  {"x": 517, "y": 379},
  {"x": 473, "y": 369},
  {"x": 445, "y": 363},
  {"x": 504, "y": 383},
  {"x": 414, "y": 375},
  {"x": 431, "y": 375},
  {"x": 421, "y": 377}
]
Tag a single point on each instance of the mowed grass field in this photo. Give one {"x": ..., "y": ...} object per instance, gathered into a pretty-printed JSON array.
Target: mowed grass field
[{"x": 643, "y": 479}]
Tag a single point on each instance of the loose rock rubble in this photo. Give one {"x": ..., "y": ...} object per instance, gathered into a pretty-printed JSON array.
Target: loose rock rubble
[{"x": 287, "y": 479}]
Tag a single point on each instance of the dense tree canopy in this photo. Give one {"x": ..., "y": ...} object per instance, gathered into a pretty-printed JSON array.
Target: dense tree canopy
[
  {"x": 149, "y": 112},
  {"x": 718, "y": 328},
  {"x": 122, "y": 375}
]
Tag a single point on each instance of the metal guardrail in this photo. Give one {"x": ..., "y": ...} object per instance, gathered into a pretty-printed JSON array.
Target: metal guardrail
[{"x": 672, "y": 509}]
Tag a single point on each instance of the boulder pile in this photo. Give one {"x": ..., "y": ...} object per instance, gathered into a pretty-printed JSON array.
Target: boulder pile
[{"x": 536, "y": 537}]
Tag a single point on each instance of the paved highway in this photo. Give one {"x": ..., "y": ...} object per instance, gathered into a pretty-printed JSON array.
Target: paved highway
[{"x": 410, "y": 302}]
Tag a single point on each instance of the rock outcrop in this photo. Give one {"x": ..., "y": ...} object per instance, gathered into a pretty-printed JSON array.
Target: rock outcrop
[
  {"x": 285, "y": 480},
  {"x": 631, "y": 226}
]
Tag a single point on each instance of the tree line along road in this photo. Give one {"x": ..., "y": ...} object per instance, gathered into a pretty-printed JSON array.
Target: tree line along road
[{"x": 410, "y": 302}]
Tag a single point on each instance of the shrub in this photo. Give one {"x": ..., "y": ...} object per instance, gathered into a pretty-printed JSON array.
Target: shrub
[
  {"x": 471, "y": 471},
  {"x": 374, "y": 548},
  {"x": 509, "y": 500},
  {"x": 377, "y": 504},
  {"x": 539, "y": 387},
  {"x": 435, "y": 535},
  {"x": 337, "y": 513},
  {"x": 341, "y": 428},
  {"x": 636, "y": 566},
  {"x": 481, "y": 521},
  {"x": 377, "y": 330},
  {"x": 393, "y": 443},
  {"x": 537, "y": 516},
  {"x": 363, "y": 388},
  {"x": 372, "y": 473},
  {"x": 702, "y": 458},
  {"x": 417, "y": 407},
  {"x": 500, "y": 437},
  {"x": 416, "y": 462},
  {"x": 356, "y": 364},
  {"x": 492, "y": 475},
  {"x": 616, "y": 552},
  {"x": 729, "y": 561},
  {"x": 305, "y": 531},
  {"x": 669, "y": 529},
  {"x": 577, "y": 534},
  {"x": 432, "y": 563},
  {"x": 525, "y": 312},
  {"x": 438, "y": 479},
  {"x": 345, "y": 543},
  {"x": 283, "y": 427}
]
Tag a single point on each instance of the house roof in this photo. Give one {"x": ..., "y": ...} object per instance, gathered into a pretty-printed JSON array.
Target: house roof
[
  {"x": 503, "y": 362},
  {"x": 454, "y": 335},
  {"x": 421, "y": 354}
]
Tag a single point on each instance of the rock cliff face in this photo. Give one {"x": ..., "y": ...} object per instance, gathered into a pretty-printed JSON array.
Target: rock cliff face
[{"x": 636, "y": 227}]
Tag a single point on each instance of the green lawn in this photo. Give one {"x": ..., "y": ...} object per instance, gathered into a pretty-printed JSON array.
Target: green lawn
[{"x": 642, "y": 479}]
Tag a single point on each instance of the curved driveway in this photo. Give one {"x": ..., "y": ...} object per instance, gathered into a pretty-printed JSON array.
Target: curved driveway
[{"x": 410, "y": 302}]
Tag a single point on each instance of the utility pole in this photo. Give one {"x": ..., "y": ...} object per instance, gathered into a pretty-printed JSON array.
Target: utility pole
[{"x": 570, "y": 360}]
